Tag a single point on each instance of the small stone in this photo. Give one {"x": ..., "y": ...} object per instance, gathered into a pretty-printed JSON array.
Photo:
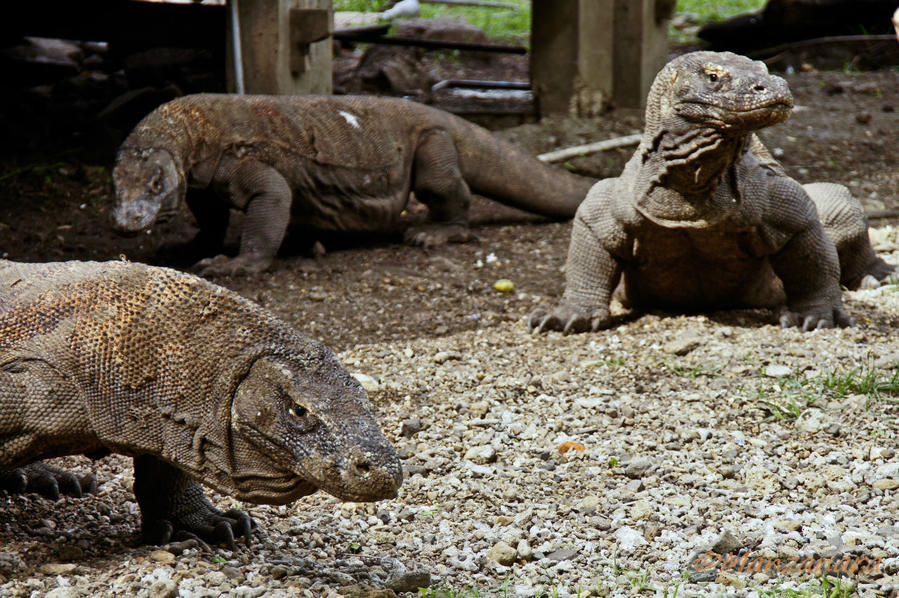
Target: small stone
[
  {"x": 589, "y": 504},
  {"x": 628, "y": 538},
  {"x": 409, "y": 581},
  {"x": 164, "y": 588},
  {"x": 875, "y": 453},
  {"x": 63, "y": 592},
  {"x": 788, "y": 525},
  {"x": 162, "y": 556},
  {"x": 246, "y": 592},
  {"x": 368, "y": 383},
  {"x": 886, "y": 484},
  {"x": 730, "y": 579},
  {"x": 562, "y": 554},
  {"x": 683, "y": 345},
  {"x": 778, "y": 371},
  {"x": 503, "y": 554},
  {"x": 410, "y": 427},
  {"x": 761, "y": 480},
  {"x": 278, "y": 572},
  {"x": 863, "y": 118},
  {"x": 726, "y": 543},
  {"x": 651, "y": 530},
  {"x": 524, "y": 550},
  {"x": 641, "y": 510},
  {"x": 479, "y": 408},
  {"x": 481, "y": 455},
  {"x": 57, "y": 568},
  {"x": 361, "y": 590},
  {"x": 637, "y": 468},
  {"x": 444, "y": 356}
]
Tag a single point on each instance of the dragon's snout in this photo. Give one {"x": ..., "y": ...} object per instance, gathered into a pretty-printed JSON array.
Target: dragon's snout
[{"x": 134, "y": 216}]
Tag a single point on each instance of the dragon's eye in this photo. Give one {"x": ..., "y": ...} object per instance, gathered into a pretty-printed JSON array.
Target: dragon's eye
[
  {"x": 713, "y": 77},
  {"x": 298, "y": 411}
]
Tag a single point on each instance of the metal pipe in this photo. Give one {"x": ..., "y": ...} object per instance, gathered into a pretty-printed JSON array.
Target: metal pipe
[
  {"x": 236, "y": 49},
  {"x": 349, "y": 35}
]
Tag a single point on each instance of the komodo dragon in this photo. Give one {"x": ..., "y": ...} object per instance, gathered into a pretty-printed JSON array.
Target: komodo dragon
[
  {"x": 193, "y": 381},
  {"x": 345, "y": 163},
  {"x": 702, "y": 217}
]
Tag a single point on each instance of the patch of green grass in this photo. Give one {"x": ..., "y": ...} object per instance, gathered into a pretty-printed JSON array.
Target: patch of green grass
[
  {"x": 825, "y": 587},
  {"x": 706, "y": 11},
  {"x": 789, "y": 397},
  {"x": 710, "y": 371},
  {"x": 509, "y": 24}
]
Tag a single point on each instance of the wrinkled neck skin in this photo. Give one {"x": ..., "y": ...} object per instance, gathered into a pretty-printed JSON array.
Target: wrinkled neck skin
[
  {"x": 682, "y": 166},
  {"x": 173, "y": 128}
]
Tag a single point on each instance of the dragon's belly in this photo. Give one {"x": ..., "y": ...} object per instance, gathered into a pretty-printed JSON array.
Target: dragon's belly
[
  {"x": 694, "y": 269},
  {"x": 329, "y": 197}
]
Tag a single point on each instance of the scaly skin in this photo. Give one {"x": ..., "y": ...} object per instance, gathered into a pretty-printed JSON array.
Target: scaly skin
[
  {"x": 345, "y": 163},
  {"x": 195, "y": 382},
  {"x": 703, "y": 217}
]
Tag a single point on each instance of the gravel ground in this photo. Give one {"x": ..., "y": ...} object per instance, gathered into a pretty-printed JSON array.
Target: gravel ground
[{"x": 682, "y": 434}]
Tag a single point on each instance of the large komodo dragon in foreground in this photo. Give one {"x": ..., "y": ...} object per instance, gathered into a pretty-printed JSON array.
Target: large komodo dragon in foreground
[
  {"x": 192, "y": 380},
  {"x": 345, "y": 163},
  {"x": 703, "y": 217}
]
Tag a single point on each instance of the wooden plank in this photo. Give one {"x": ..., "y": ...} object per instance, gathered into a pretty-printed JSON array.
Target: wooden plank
[{"x": 275, "y": 61}]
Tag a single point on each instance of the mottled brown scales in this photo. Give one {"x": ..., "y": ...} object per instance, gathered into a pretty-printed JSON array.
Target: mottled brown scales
[
  {"x": 195, "y": 382},
  {"x": 704, "y": 218},
  {"x": 345, "y": 163}
]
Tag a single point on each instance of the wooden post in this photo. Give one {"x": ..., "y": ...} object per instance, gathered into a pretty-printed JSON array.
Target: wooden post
[
  {"x": 285, "y": 45},
  {"x": 587, "y": 55}
]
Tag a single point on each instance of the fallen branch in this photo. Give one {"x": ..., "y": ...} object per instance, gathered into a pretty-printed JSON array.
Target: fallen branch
[{"x": 590, "y": 148}]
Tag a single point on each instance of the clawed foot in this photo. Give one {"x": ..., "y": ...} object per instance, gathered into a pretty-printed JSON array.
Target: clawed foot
[
  {"x": 206, "y": 525},
  {"x": 815, "y": 318},
  {"x": 569, "y": 319},
  {"x": 222, "y": 265},
  {"x": 878, "y": 274},
  {"x": 48, "y": 481},
  {"x": 432, "y": 235}
]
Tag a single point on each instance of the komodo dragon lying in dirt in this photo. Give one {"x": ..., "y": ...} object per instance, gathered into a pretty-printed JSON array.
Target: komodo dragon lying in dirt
[
  {"x": 192, "y": 380},
  {"x": 345, "y": 163},
  {"x": 703, "y": 217}
]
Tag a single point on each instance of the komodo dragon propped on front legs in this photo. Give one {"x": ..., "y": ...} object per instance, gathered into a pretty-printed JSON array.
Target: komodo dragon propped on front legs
[
  {"x": 195, "y": 382},
  {"x": 703, "y": 217},
  {"x": 344, "y": 163}
]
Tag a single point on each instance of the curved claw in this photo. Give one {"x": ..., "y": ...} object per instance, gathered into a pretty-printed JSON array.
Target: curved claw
[
  {"x": 569, "y": 319},
  {"x": 47, "y": 480},
  {"x": 814, "y": 319},
  {"x": 212, "y": 526}
]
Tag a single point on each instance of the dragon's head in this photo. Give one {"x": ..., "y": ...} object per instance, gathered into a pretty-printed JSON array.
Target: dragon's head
[
  {"x": 148, "y": 186},
  {"x": 299, "y": 424},
  {"x": 721, "y": 90}
]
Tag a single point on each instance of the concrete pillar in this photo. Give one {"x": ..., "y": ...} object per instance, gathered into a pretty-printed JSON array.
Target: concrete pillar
[
  {"x": 587, "y": 55},
  {"x": 285, "y": 45}
]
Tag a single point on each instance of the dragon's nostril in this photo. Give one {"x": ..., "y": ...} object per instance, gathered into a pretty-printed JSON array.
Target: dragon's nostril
[{"x": 760, "y": 88}]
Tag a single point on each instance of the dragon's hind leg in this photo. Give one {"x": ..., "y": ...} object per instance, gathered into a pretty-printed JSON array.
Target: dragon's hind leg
[{"x": 845, "y": 223}]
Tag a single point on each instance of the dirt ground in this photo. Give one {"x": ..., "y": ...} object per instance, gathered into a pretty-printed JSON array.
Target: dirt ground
[{"x": 374, "y": 292}]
